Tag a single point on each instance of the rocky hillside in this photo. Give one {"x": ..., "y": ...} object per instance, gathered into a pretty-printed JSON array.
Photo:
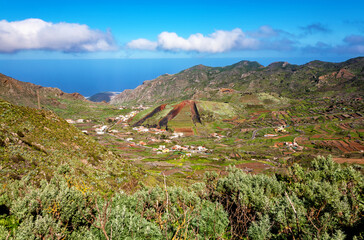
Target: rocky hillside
[
  {"x": 209, "y": 83},
  {"x": 26, "y": 94}
]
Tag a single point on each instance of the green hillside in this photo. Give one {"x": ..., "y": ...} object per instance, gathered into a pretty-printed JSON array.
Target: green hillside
[
  {"x": 66, "y": 105},
  {"x": 210, "y": 83},
  {"x": 39, "y": 143}
]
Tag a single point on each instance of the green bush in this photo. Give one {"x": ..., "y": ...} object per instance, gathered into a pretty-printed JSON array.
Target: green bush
[
  {"x": 180, "y": 213},
  {"x": 52, "y": 210},
  {"x": 60, "y": 209},
  {"x": 324, "y": 201}
]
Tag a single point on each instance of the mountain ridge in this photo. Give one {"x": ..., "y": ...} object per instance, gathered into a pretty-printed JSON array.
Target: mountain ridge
[
  {"x": 26, "y": 94},
  {"x": 279, "y": 77}
]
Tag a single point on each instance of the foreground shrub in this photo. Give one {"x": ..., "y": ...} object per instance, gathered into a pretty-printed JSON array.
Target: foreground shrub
[
  {"x": 53, "y": 210},
  {"x": 323, "y": 202},
  {"x": 182, "y": 214},
  {"x": 58, "y": 210},
  {"x": 171, "y": 213}
]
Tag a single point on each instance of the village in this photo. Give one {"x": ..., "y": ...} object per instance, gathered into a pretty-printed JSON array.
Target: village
[
  {"x": 119, "y": 128},
  {"x": 161, "y": 141}
]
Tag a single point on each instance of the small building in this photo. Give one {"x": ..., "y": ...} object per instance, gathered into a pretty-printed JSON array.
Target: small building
[
  {"x": 176, "y": 135},
  {"x": 70, "y": 121},
  {"x": 177, "y": 147},
  {"x": 201, "y": 148},
  {"x": 270, "y": 135}
]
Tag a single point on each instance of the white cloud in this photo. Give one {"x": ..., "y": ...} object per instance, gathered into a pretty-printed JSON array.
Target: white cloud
[
  {"x": 217, "y": 42},
  {"x": 36, "y": 34},
  {"x": 142, "y": 44}
]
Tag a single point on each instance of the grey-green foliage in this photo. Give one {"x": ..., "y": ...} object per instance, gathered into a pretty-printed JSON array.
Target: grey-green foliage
[
  {"x": 332, "y": 196},
  {"x": 158, "y": 213},
  {"x": 3, "y": 232},
  {"x": 258, "y": 191},
  {"x": 260, "y": 229},
  {"x": 180, "y": 213},
  {"x": 52, "y": 210},
  {"x": 127, "y": 223},
  {"x": 323, "y": 202},
  {"x": 246, "y": 197},
  {"x": 57, "y": 209}
]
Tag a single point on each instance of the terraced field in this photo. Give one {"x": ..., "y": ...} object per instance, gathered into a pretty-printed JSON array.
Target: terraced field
[{"x": 266, "y": 138}]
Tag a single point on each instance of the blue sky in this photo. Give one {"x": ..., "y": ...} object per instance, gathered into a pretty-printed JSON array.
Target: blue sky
[{"x": 78, "y": 29}]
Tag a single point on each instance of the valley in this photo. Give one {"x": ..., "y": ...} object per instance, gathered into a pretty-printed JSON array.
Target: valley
[
  {"x": 267, "y": 138},
  {"x": 258, "y": 131},
  {"x": 181, "y": 120},
  {"x": 212, "y": 153}
]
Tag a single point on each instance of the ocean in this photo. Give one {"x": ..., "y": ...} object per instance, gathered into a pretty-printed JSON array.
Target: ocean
[{"x": 91, "y": 76}]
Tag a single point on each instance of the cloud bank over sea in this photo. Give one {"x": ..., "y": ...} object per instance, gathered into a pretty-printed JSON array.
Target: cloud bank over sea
[{"x": 36, "y": 34}]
